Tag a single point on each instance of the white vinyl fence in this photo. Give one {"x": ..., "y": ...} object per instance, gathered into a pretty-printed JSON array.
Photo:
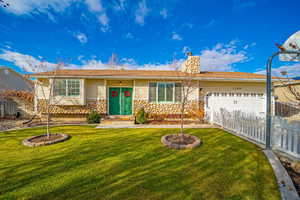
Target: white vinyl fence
[{"x": 285, "y": 135}]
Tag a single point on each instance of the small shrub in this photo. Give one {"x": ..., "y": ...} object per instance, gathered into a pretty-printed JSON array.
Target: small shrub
[
  {"x": 141, "y": 116},
  {"x": 93, "y": 117}
]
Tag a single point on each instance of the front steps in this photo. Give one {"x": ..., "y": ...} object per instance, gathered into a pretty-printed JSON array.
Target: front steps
[{"x": 118, "y": 120}]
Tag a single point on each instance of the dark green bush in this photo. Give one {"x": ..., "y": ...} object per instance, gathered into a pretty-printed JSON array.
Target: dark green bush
[
  {"x": 141, "y": 116},
  {"x": 93, "y": 117}
]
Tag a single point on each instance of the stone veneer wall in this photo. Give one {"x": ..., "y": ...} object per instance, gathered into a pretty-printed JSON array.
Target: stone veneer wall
[
  {"x": 162, "y": 108},
  {"x": 92, "y": 105}
]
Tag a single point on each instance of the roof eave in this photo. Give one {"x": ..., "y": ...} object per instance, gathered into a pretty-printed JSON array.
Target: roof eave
[{"x": 156, "y": 77}]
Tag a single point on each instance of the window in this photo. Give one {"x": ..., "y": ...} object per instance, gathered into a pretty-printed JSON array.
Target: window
[
  {"x": 165, "y": 92},
  {"x": 60, "y": 87},
  {"x": 67, "y": 87},
  {"x": 152, "y": 91},
  {"x": 73, "y": 87}
]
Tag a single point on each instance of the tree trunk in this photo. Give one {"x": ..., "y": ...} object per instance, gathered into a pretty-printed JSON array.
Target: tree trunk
[
  {"x": 48, "y": 119},
  {"x": 181, "y": 118}
]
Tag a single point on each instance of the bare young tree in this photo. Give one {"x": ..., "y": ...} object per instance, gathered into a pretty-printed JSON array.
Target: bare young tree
[
  {"x": 47, "y": 90},
  {"x": 187, "y": 87}
]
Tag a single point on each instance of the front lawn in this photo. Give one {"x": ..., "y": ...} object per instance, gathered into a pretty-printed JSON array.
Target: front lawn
[{"x": 133, "y": 164}]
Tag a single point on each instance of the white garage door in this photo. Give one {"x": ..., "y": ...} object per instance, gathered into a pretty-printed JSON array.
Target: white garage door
[{"x": 245, "y": 102}]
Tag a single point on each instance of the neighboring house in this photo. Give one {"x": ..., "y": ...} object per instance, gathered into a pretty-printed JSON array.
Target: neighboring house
[
  {"x": 124, "y": 92},
  {"x": 283, "y": 93},
  {"x": 13, "y": 81},
  {"x": 287, "y": 95}
]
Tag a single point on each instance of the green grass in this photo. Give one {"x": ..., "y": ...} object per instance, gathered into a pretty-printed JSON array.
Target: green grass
[{"x": 133, "y": 164}]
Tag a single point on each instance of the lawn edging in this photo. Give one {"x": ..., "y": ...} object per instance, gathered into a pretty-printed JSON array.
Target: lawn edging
[
  {"x": 285, "y": 184},
  {"x": 28, "y": 142}
]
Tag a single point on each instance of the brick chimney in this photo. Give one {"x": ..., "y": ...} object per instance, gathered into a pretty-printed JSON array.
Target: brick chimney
[{"x": 191, "y": 64}]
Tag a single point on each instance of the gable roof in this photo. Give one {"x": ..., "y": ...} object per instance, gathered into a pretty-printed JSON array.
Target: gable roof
[
  {"x": 11, "y": 80},
  {"x": 149, "y": 74}
]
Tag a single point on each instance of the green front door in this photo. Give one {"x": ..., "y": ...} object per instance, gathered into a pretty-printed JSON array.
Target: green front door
[{"x": 120, "y": 101}]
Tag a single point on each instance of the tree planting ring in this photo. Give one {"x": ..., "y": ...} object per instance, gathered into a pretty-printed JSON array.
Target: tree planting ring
[
  {"x": 189, "y": 141},
  {"x": 42, "y": 140}
]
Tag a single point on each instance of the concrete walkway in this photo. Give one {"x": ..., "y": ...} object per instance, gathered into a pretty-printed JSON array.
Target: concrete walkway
[{"x": 154, "y": 126}]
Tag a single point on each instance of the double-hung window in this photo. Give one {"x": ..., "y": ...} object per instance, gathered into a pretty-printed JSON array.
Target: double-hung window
[
  {"x": 67, "y": 87},
  {"x": 164, "y": 92}
]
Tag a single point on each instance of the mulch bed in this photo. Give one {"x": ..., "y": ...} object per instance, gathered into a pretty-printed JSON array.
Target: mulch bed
[
  {"x": 181, "y": 140},
  {"x": 45, "y": 138},
  {"x": 294, "y": 175},
  {"x": 41, "y": 140},
  {"x": 175, "y": 141}
]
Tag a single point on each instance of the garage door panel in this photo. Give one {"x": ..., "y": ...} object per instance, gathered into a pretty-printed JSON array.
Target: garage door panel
[{"x": 245, "y": 102}]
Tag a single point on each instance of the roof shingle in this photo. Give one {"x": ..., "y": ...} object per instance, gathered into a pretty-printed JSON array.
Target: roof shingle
[{"x": 145, "y": 73}]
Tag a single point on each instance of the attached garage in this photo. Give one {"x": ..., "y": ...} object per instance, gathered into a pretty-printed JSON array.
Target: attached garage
[{"x": 246, "y": 102}]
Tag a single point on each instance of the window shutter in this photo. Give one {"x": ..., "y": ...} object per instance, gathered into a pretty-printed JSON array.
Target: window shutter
[
  {"x": 178, "y": 91},
  {"x": 152, "y": 92}
]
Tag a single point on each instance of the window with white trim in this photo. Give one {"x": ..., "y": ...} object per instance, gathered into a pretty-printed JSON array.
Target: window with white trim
[
  {"x": 164, "y": 92},
  {"x": 67, "y": 87}
]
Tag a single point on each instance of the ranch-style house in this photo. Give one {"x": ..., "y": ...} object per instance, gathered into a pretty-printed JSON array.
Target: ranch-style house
[{"x": 124, "y": 92}]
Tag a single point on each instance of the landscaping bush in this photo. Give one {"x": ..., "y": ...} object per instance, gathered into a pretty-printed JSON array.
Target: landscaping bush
[
  {"x": 141, "y": 116},
  {"x": 93, "y": 117}
]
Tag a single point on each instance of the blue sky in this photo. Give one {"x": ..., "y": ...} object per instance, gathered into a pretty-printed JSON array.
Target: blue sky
[{"x": 231, "y": 35}]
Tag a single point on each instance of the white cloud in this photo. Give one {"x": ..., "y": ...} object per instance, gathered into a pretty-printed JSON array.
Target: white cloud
[
  {"x": 93, "y": 64},
  {"x": 186, "y": 49},
  {"x": 25, "y": 7},
  {"x": 94, "y": 5},
  {"x": 82, "y": 38},
  {"x": 31, "y": 64},
  {"x": 80, "y": 57},
  {"x": 247, "y": 46},
  {"x": 188, "y": 25},
  {"x": 103, "y": 19},
  {"x": 292, "y": 70},
  {"x": 119, "y": 5},
  {"x": 222, "y": 57},
  {"x": 130, "y": 63},
  {"x": 210, "y": 24},
  {"x": 129, "y": 36},
  {"x": 241, "y": 5},
  {"x": 141, "y": 13},
  {"x": 26, "y": 62},
  {"x": 164, "y": 13},
  {"x": 176, "y": 36},
  {"x": 48, "y": 7}
]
